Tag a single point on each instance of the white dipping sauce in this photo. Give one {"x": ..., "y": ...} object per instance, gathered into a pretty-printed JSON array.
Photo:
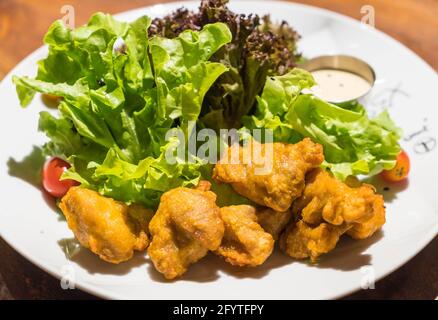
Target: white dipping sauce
[{"x": 338, "y": 85}]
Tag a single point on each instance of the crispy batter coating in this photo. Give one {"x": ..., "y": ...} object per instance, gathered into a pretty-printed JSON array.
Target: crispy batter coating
[
  {"x": 365, "y": 229},
  {"x": 301, "y": 240},
  {"x": 109, "y": 228},
  {"x": 271, "y": 174},
  {"x": 273, "y": 222},
  {"x": 245, "y": 243},
  {"x": 327, "y": 209},
  {"x": 186, "y": 226},
  {"x": 327, "y": 199}
]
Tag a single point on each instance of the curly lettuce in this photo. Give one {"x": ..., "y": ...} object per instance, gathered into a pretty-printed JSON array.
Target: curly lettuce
[
  {"x": 258, "y": 48},
  {"x": 353, "y": 143},
  {"x": 121, "y": 92}
]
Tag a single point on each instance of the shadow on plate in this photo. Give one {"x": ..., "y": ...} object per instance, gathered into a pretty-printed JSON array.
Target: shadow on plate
[
  {"x": 29, "y": 170},
  {"x": 388, "y": 190},
  {"x": 348, "y": 254},
  {"x": 209, "y": 269},
  {"x": 94, "y": 265}
]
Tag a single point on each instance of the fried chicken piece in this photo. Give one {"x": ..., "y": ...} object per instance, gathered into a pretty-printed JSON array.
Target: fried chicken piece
[
  {"x": 327, "y": 209},
  {"x": 109, "y": 228},
  {"x": 271, "y": 174},
  {"x": 273, "y": 222},
  {"x": 365, "y": 229},
  {"x": 186, "y": 226},
  {"x": 301, "y": 240},
  {"x": 245, "y": 243},
  {"x": 326, "y": 199}
]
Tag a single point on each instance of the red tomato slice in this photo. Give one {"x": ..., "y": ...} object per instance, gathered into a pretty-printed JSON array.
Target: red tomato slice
[
  {"x": 52, "y": 171},
  {"x": 401, "y": 169}
]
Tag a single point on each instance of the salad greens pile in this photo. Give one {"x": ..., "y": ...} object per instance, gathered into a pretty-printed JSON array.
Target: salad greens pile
[
  {"x": 258, "y": 49},
  {"x": 353, "y": 143},
  {"x": 118, "y": 103},
  {"x": 125, "y": 85}
]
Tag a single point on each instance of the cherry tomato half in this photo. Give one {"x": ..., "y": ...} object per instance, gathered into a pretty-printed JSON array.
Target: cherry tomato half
[
  {"x": 401, "y": 169},
  {"x": 52, "y": 171}
]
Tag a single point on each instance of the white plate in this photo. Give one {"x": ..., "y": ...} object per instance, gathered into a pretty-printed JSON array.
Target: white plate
[{"x": 405, "y": 83}]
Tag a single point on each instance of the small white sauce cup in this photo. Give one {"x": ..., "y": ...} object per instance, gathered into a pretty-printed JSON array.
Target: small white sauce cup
[{"x": 343, "y": 63}]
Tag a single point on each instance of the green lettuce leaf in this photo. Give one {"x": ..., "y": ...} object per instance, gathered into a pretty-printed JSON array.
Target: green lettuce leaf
[
  {"x": 121, "y": 92},
  {"x": 353, "y": 143},
  {"x": 143, "y": 182},
  {"x": 258, "y": 48},
  {"x": 182, "y": 81}
]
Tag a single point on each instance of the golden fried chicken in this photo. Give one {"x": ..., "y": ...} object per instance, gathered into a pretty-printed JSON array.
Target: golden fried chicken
[
  {"x": 301, "y": 240},
  {"x": 365, "y": 229},
  {"x": 327, "y": 209},
  {"x": 273, "y": 222},
  {"x": 269, "y": 174},
  {"x": 326, "y": 199},
  {"x": 186, "y": 226},
  {"x": 245, "y": 243},
  {"x": 109, "y": 228}
]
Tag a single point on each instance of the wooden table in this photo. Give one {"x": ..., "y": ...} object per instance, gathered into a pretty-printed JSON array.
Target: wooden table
[{"x": 22, "y": 26}]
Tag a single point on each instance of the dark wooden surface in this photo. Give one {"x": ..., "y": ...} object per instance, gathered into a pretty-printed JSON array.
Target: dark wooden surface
[{"x": 22, "y": 26}]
